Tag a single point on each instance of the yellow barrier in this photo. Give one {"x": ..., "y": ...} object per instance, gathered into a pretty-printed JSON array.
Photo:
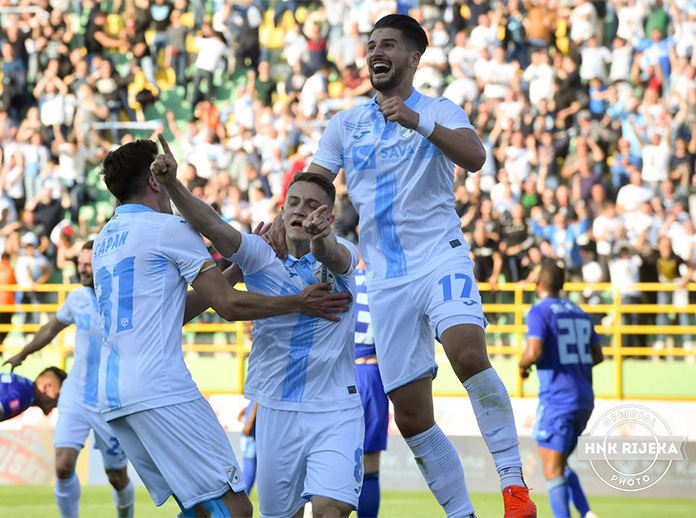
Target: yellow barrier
[{"x": 517, "y": 329}]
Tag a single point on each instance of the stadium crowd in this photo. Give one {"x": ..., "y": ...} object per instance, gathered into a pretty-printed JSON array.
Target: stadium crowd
[{"x": 587, "y": 110}]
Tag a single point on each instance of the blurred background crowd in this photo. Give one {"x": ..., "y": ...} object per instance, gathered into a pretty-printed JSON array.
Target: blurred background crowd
[{"x": 587, "y": 110}]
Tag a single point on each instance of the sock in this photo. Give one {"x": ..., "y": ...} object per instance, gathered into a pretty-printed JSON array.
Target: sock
[
  {"x": 67, "y": 493},
  {"x": 577, "y": 495},
  {"x": 493, "y": 411},
  {"x": 249, "y": 474},
  {"x": 440, "y": 465},
  {"x": 368, "y": 505},
  {"x": 559, "y": 497},
  {"x": 124, "y": 500}
]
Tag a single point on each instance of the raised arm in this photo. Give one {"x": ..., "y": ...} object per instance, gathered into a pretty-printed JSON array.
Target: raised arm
[
  {"x": 42, "y": 338},
  {"x": 201, "y": 216},
  {"x": 324, "y": 246}
]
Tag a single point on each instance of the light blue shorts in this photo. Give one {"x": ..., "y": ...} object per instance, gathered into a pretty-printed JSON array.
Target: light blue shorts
[
  {"x": 304, "y": 454},
  {"x": 181, "y": 450},
  {"x": 406, "y": 317},
  {"x": 75, "y": 420}
]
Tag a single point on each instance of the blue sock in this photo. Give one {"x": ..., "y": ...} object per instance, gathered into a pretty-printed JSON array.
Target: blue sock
[
  {"x": 249, "y": 474},
  {"x": 559, "y": 497},
  {"x": 577, "y": 495},
  {"x": 216, "y": 508},
  {"x": 368, "y": 505},
  {"x": 67, "y": 493}
]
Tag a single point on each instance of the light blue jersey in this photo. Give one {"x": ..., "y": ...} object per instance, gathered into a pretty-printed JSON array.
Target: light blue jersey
[
  {"x": 401, "y": 185},
  {"x": 142, "y": 262},
  {"x": 298, "y": 362},
  {"x": 80, "y": 308}
]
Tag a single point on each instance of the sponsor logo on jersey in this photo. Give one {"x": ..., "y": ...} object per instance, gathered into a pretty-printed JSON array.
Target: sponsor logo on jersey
[
  {"x": 364, "y": 157},
  {"x": 358, "y": 137},
  {"x": 14, "y": 405},
  {"x": 323, "y": 274},
  {"x": 233, "y": 475},
  {"x": 406, "y": 132}
]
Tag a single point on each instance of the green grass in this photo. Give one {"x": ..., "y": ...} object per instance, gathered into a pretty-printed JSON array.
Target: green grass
[{"x": 38, "y": 502}]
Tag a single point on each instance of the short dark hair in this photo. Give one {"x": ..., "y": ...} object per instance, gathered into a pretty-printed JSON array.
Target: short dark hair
[
  {"x": 322, "y": 181},
  {"x": 127, "y": 169},
  {"x": 409, "y": 28},
  {"x": 59, "y": 373},
  {"x": 88, "y": 245},
  {"x": 552, "y": 276}
]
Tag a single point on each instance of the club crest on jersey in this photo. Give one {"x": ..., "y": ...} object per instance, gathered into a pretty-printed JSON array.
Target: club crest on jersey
[
  {"x": 406, "y": 133},
  {"x": 323, "y": 274},
  {"x": 233, "y": 475}
]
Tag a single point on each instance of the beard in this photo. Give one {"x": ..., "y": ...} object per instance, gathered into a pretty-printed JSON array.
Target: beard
[{"x": 391, "y": 81}]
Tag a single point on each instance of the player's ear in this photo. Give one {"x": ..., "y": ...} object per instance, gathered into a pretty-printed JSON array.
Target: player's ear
[{"x": 152, "y": 183}]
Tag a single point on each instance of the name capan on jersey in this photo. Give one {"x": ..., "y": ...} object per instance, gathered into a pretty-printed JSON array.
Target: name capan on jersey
[
  {"x": 298, "y": 362},
  {"x": 142, "y": 262},
  {"x": 80, "y": 308},
  {"x": 400, "y": 184}
]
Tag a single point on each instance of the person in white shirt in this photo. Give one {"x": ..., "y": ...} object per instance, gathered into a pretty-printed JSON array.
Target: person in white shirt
[
  {"x": 583, "y": 21},
  {"x": 633, "y": 194},
  {"x": 211, "y": 49},
  {"x": 77, "y": 404},
  {"x": 143, "y": 260},
  {"x": 398, "y": 153},
  {"x": 301, "y": 369}
]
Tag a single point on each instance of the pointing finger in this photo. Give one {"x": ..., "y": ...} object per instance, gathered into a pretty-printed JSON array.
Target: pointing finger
[{"x": 164, "y": 143}]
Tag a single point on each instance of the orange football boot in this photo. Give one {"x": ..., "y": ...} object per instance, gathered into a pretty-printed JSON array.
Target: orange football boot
[{"x": 517, "y": 503}]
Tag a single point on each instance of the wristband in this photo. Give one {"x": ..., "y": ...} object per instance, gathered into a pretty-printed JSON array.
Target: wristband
[{"x": 426, "y": 125}]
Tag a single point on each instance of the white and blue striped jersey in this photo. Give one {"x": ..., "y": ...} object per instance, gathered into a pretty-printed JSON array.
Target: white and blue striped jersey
[
  {"x": 364, "y": 335},
  {"x": 80, "y": 308},
  {"x": 298, "y": 362},
  {"x": 142, "y": 262},
  {"x": 401, "y": 185}
]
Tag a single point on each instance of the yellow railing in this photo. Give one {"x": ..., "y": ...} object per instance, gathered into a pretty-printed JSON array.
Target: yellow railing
[{"x": 520, "y": 298}]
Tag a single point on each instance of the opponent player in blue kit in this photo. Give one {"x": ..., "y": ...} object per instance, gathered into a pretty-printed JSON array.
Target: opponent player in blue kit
[
  {"x": 143, "y": 260},
  {"x": 398, "y": 153},
  {"x": 309, "y": 426},
  {"x": 374, "y": 400},
  {"x": 562, "y": 342},
  {"x": 18, "y": 393},
  {"x": 77, "y": 405}
]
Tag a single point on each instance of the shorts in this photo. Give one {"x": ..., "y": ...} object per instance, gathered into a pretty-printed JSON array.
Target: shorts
[
  {"x": 405, "y": 318},
  {"x": 559, "y": 431},
  {"x": 375, "y": 406},
  {"x": 180, "y": 450},
  {"x": 74, "y": 423},
  {"x": 306, "y": 454},
  {"x": 248, "y": 446}
]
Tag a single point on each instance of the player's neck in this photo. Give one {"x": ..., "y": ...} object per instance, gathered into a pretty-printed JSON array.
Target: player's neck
[
  {"x": 147, "y": 201},
  {"x": 41, "y": 400},
  {"x": 298, "y": 249},
  {"x": 403, "y": 91}
]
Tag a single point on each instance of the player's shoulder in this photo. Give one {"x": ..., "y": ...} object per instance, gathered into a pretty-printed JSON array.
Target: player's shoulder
[{"x": 79, "y": 295}]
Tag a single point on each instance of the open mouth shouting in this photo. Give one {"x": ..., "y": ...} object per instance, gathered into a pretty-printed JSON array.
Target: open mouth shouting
[{"x": 380, "y": 69}]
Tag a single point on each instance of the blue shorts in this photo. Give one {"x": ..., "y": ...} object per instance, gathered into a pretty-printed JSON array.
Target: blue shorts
[
  {"x": 375, "y": 405},
  {"x": 559, "y": 430}
]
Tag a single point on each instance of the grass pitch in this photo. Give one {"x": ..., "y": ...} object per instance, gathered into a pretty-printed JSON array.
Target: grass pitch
[{"x": 96, "y": 502}]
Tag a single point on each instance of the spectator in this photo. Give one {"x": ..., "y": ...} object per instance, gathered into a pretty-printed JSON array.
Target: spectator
[
  {"x": 7, "y": 298},
  {"x": 31, "y": 270},
  {"x": 211, "y": 48},
  {"x": 672, "y": 269},
  {"x": 175, "y": 53}
]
